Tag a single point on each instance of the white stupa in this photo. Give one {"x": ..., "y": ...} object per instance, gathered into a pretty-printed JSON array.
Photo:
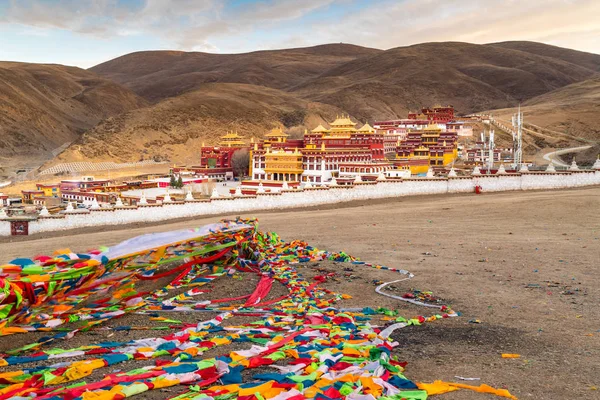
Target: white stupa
[
  {"x": 119, "y": 202},
  {"x": 95, "y": 205},
  {"x": 333, "y": 182},
  {"x": 476, "y": 170},
  {"x": 307, "y": 185},
  {"x": 524, "y": 168},
  {"x": 215, "y": 194},
  {"x": 573, "y": 166},
  {"x": 430, "y": 173},
  {"x": 452, "y": 173},
  {"x": 44, "y": 212},
  {"x": 3, "y": 213},
  {"x": 238, "y": 191},
  {"x": 69, "y": 207},
  {"x": 285, "y": 186},
  {"x": 189, "y": 196},
  {"x": 381, "y": 177},
  {"x": 167, "y": 198},
  {"x": 550, "y": 168},
  {"x": 596, "y": 164},
  {"x": 143, "y": 200},
  {"x": 358, "y": 179},
  {"x": 501, "y": 170},
  {"x": 261, "y": 188}
]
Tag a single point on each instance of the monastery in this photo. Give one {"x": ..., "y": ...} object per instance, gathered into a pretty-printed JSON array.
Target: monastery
[
  {"x": 320, "y": 155},
  {"x": 344, "y": 151}
]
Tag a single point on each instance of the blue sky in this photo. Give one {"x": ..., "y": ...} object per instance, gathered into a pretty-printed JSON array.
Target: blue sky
[{"x": 85, "y": 32}]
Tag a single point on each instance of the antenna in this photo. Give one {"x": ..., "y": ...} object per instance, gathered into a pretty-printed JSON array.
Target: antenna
[
  {"x": 517, "y": 123},
  {"x": 491, "y": 152}
]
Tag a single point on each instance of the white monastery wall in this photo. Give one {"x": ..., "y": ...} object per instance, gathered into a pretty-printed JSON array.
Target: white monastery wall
[{"x": 311, "y": 197}]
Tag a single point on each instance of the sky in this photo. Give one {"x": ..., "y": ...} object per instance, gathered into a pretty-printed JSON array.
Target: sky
[{"x": 84, "y": 33}]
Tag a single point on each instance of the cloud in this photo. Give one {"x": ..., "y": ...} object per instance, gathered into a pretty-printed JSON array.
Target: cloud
[
  {"x": 186, "y": 24},
  {"x": 391, "y": 24},
  {"x": 211, "y": 25}
]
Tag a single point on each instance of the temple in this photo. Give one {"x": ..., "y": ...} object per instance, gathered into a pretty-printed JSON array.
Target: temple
[
  {"x": 342, "y": 150},
  {"x": 215, "y": 161},
  {"x": 320, "y": 154},
  {"x": 431, "y": 146},
  {"x": 434, "y": 114}
]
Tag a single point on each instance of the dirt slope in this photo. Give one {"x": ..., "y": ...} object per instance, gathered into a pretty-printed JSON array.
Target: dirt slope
[
  {"x": 565, "y": 117},
  {"x": 581, "y": 58},
  {"x": 471, "y": 77},
  {"x": 45, "y": 106},
  {"x": 198, "y": 96},
  {"x": 175, "y": 128},
  {"x": 156, "y": 75}
]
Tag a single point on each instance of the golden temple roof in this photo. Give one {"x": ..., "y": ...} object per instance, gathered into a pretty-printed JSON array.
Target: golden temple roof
[
  {"x": 231, "y": 139},
  {"x": 343, "y": 121},
  {"x": 432, "y": 128},
  {"x": 367, "y": 128},
  {"x": 231, "y": 135},
  {"x": 276, "y": 132},
  {"x": 320, "y": 129}
]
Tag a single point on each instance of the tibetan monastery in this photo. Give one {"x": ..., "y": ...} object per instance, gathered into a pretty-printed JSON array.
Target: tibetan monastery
[
  {"x": 215, "y": 161},
  {"x": 430, "y": 146},
  {"x": 320, "y": 155}
]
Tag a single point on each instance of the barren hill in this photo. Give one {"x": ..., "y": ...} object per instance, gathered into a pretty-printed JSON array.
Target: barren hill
[
  {"x": 198, "y": 96},
  {"x": 42, "y": 107},
  {"x": 368, "y": 83},
  {"x": 581, "y": 58},
  {"x": 156, "y": 75},
  {"x": 175, "y": 128},
  {"x": 565, "y": 117},
  {"x": 471, "y": 77}
]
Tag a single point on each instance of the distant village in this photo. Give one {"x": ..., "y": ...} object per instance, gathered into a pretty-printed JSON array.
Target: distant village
[{"x": 426, "y": 143}]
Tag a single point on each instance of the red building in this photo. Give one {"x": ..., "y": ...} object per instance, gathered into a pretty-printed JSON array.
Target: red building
[
  {"x": 317, "y": 157},
  {"x": 434, "y": 114},
  {"x": 87, "y": 182},
  {"x": 215, "y": 161}
]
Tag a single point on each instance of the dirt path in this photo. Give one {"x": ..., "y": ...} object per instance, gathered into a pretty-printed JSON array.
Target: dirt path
[
  {"x": 554, "y": 156},
  {"x": 526, "y": 264}
]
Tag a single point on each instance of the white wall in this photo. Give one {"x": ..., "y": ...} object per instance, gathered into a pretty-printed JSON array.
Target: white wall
[{"x": 311, "y": 197}]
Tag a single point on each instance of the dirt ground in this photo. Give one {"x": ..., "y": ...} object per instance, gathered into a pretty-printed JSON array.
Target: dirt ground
[{"x": 523, "y": 264}]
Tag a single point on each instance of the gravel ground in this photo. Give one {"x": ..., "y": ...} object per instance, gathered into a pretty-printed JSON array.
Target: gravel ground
[{"x": 525, "y": 264}]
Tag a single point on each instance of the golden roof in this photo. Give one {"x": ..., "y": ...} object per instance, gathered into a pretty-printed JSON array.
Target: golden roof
[
  {"x": 367, "y": 128},
  {"x": 320, "y": 129},
  {"x": 432, "y": 128},
  {"x": 231, "y": 139},
  {"x": 231, "y": 135},
  {"x": 343, "y": 121},
  {"x": 276, "y": 132}
]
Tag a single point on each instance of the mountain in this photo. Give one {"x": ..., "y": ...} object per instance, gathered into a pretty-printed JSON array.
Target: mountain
[
  {"x": 163, "y": 104},
  {"x": 565, "y": 117},
  {"x": 588, "y": 60},
  {"x": 175, "y": 128},
  {"x": 368, "y": 83},
  {"x": 44, "y": 107},
  {"x": 156, "y": 75},
  {"x": 471, "y": 77}
]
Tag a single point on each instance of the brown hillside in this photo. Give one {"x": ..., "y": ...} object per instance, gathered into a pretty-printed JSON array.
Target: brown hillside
[
  {"x": 566, "y": 117},
  {"x": 45, "y": 106},
  {"x": 175, "y": 128},
  {"x": 471, "y": 77},
  {"x": 581, "y": 58},
  {"x": 156, "y": 75},
  {"x": 198, "y": 96}
]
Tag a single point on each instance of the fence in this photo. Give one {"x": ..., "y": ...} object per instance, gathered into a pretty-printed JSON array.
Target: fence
[{"x": 308, "y": 197}]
